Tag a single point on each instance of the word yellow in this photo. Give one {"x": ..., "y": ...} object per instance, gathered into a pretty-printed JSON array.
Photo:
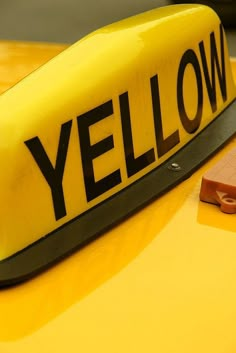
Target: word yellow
[{"x": 53, "y": 172}]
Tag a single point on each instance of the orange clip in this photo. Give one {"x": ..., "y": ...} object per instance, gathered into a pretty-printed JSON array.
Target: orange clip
[{"x": 219, "y": 184}]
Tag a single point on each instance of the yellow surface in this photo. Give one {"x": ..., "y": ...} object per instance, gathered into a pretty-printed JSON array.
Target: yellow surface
[
  {"x": 123, "y": 57},
  {"x": 163, "y": 281}
]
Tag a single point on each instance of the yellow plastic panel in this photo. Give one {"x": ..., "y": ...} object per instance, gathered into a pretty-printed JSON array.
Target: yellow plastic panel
[
  {"x": 104, "y": 113},
  {"x": 162, "y": 281}
]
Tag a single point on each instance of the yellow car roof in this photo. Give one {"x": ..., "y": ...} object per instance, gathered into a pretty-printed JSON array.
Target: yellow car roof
[{"x": 161, "y": 281}]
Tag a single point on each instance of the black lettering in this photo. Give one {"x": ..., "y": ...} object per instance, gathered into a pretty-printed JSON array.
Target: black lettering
[
  {"x": 211, "y": 82},
  {"x": 133, "y": 164},
  {"x": 53, "y": 175},
  {"x": 189, "y": 124},
  {"x": 163, "y": 144},
  {"x": 90, "y": 152}
]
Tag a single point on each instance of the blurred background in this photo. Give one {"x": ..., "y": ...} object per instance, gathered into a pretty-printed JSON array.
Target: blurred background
[{"x": 66, "y": 21}]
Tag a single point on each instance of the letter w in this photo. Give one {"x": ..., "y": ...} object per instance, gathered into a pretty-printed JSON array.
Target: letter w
[{"x": 211, "y": 82}]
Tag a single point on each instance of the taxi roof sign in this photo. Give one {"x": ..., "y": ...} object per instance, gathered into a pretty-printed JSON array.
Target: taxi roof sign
[{"x": 89, "y": 138}]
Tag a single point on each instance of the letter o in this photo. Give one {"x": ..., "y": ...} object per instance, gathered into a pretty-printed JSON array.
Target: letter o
[{"x": 190, "y": 125}]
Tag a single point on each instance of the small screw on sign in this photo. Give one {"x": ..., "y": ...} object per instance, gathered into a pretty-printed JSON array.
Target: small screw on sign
[{"x": 175, "y": 167}]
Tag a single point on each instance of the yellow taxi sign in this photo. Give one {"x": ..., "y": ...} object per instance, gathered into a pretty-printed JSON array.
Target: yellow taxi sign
[{"x": 101, "y": 116}]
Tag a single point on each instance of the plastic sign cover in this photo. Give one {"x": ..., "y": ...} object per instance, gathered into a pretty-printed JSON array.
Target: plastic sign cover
[{"x": 105, "y": 113}]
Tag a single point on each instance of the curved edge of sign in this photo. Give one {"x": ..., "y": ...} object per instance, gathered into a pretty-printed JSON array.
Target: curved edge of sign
[{"x": 86, "y": 227}]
